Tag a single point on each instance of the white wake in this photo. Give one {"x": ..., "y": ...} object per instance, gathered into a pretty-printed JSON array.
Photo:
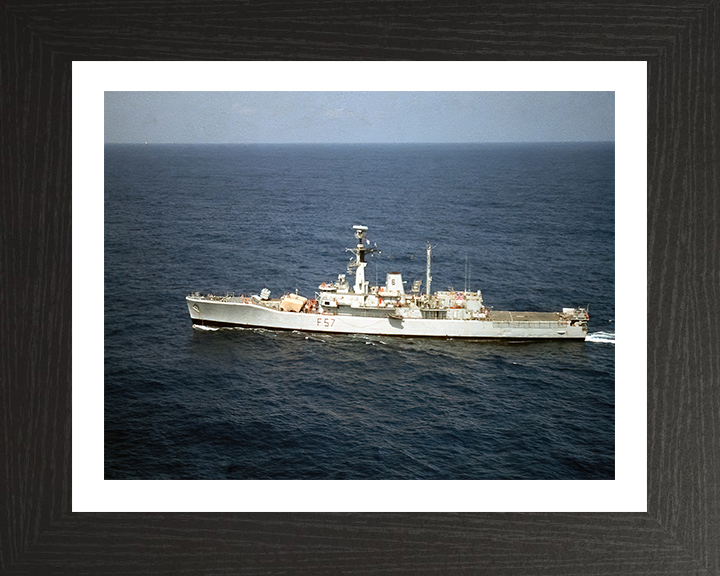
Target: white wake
[
  {"x": 607, "y": 337},
  {"x": 207, "y": 328}
]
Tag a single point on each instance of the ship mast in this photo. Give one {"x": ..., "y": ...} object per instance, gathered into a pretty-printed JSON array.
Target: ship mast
[
  {"x": 428, "y": 277},
  {"x": 360, "y": 250}
]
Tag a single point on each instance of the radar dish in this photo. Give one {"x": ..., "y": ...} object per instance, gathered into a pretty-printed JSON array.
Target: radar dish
[{"x": 360, "y": 231}]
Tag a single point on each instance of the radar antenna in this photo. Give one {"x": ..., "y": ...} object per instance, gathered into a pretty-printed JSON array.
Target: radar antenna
[{"x": 360, "y": 250}]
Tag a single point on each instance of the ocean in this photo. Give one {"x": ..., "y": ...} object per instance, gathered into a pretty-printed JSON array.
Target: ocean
[{"x": 531, "y": 225}]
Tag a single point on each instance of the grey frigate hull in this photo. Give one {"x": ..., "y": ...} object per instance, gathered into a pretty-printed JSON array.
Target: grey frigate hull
[
  {"x": 233, "y": 312},
  {"x": 388, "y": 310}
]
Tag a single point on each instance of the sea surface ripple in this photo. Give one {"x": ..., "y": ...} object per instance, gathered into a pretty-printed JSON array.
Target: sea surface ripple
[{"x": 531, "y": 225}]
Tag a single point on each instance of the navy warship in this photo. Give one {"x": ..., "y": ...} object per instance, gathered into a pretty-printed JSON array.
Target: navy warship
[{"x": 341, "y": 308}]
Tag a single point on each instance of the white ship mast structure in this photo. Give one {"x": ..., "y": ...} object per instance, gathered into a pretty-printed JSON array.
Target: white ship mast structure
[
  {"x": 428, "y": 277},
  {"x": 361, "y": 285}
]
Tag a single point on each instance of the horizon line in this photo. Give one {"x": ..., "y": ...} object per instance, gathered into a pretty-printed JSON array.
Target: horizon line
[{"x": 362, "y": 143}]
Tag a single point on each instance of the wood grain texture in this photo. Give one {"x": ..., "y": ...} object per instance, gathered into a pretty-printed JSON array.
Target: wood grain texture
[{"x": 680, "y": 534}]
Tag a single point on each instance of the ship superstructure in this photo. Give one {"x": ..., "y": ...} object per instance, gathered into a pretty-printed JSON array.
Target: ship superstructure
[{"x": 388, "y": 310}]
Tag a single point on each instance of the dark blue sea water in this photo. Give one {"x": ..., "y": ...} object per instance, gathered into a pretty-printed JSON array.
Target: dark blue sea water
[{"x": 533, "y": 224}]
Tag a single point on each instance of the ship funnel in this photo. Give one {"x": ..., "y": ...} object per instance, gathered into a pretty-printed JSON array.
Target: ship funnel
[{"x": 394, "y": 283}]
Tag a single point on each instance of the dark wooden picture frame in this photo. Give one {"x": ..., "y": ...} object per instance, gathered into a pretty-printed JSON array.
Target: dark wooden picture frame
[{"x": 681, "y": 530}]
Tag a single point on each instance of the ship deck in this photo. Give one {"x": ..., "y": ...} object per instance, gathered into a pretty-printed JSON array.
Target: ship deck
[
  {"x": 507, "y": 316},
  {"x": 493, "y": 315}
]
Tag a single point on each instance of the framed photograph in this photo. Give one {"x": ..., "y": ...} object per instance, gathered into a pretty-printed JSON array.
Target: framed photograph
[
  {"x": 512, "y": 425},
  {"x": 71, "y": 502}
]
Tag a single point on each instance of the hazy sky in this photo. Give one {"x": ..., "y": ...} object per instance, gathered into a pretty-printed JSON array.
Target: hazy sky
[{"x": 344, "y": 117}]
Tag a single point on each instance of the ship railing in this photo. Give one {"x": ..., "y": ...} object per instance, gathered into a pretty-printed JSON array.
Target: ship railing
[
  {"x": 214, "y": 297},
  {"x": 525, "y": 324}
]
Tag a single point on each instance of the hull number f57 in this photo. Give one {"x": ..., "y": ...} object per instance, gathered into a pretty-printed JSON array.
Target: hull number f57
[{"x": 327, "y": 322}]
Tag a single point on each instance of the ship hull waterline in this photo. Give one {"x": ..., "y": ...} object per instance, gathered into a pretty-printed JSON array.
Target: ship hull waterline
[{"x": 250, "y": 315}]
